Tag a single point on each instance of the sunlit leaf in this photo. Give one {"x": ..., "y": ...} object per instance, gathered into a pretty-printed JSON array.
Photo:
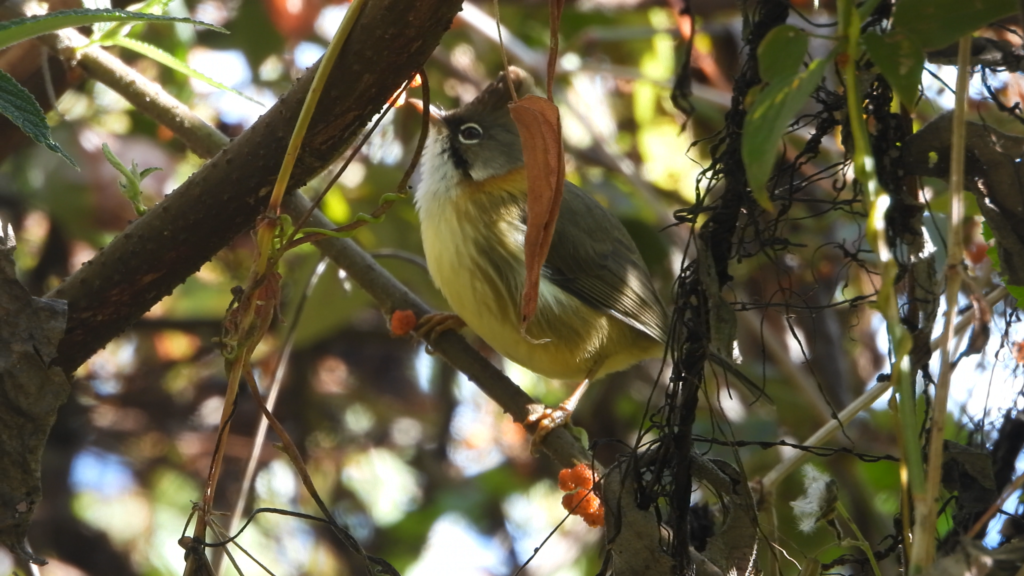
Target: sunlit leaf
[
  {"x": 150, "y": 51},
  {"x": 104, "y": 32},
  {"x": 986, "y": 232},
  {"x": 14, "y": 31},
  {"x": 1018, "y": 293}
]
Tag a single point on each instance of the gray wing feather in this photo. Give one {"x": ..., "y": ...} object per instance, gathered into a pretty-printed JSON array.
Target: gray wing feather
[{"x": 600, "y": 265}]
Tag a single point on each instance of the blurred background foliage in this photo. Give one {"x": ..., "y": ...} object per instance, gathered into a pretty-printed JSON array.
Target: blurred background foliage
[{"x": 425, "y": 470}]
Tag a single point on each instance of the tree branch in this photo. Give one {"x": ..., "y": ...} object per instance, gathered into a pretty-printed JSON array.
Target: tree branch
[
  {"x": 156, "y": 253},
  {"x": 30, "y": 393}
]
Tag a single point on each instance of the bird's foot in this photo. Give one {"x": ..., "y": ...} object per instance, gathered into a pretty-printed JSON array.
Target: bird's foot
[
  {"x": 546, "y": 420},
  {"x": 431, "y": 326}
]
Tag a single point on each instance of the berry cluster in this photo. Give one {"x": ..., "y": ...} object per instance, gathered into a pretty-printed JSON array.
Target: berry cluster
[{"x": 581, "y": 499}]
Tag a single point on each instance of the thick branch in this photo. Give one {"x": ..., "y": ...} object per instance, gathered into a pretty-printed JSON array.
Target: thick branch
[
  {"x": 392, "y": 39},
  {"x": 30, "y": 393}
]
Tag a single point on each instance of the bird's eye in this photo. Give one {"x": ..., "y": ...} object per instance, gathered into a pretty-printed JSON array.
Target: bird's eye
[{"x": 470, "y": 133}]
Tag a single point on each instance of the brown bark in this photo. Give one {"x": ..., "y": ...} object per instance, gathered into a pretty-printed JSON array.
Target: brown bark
[{"x": 391, "y": 40}]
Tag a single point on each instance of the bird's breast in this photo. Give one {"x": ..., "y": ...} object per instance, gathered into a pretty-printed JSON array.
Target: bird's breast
[
  {"x": 473, "y": 236},
  {"x": 473, "y": 242}
]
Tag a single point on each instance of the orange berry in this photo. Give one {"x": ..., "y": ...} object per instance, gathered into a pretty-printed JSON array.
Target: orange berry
[
  {"x": 571, "y": 500},
  {"x": 565, "y": 482},
  {"x": 580, "y": 499},
  {"x": 590, "y": 505},
  {"x": 402, "y": 322},
  {"x": 596, "y": 519},
  {"x": 582, "y": 476}
]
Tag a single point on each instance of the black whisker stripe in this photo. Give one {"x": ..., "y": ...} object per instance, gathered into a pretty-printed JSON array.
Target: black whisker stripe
[{"x": 457, "y": 158}]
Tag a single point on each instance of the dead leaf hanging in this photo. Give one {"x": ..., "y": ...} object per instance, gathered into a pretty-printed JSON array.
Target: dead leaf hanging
[{"x": 541, "y": 133}]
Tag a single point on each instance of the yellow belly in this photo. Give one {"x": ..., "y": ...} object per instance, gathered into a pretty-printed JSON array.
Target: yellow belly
[{"x": 474, "y": 253}]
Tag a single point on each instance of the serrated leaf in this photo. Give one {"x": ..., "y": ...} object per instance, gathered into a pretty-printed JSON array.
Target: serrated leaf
[
  {"x": 154, "y": 53},
  {"x": 901, "y": 60},
  {"x": 14, "y": 31},
  {"x": 18, "y": 104},
  {"x": 102, "y": 33},
  {"x": 939, "y": 23},
  {"x": 781, "y": 53},
  {"x": 772, "y": 111}
]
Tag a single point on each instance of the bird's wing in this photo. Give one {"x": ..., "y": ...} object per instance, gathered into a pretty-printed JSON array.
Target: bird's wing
[{"x": 600, "y": 265}]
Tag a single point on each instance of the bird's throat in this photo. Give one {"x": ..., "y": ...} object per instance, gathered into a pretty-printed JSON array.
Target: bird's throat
[{"x": 509, "y": 184}]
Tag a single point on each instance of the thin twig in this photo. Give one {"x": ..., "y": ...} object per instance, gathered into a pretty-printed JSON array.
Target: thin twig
[
  {"x": 275, "y": 389},
  {"x": 925, "y": 514},
  {"x": 783, "y": 469}
]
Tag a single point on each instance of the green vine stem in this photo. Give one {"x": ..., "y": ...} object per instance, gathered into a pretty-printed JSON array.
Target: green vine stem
[
  {"x": 878, "y": 201},
  {"x": 308, "y": 107},
  {"x": 246, "y": 324},
  {"x": 860, "y": 542},
  {"x": 923, "y": 554}
]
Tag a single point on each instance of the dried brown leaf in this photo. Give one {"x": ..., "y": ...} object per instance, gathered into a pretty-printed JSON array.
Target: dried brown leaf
[{"x": 541, "y": 133}]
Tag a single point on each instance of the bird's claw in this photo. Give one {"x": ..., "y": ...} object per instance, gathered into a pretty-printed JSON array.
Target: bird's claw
[
  {"x": 546, "y": 420},
  {"x": 431, "y": 326}
]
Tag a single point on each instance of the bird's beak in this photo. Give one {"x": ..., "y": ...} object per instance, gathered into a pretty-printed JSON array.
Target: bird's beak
[{"x": 435, "y": 116}]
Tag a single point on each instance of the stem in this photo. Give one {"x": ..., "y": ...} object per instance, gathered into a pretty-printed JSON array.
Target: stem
[
  {"x": 878, "y": 199},
  {"x": 925, "y": 516},
  {"x": 860, "y": 542},
  {"x": 310, "y": 104},
  {"x": 996, "y": 506},
  {"x": 149, "y": 97},
  {"x": 266, "y": 231}
]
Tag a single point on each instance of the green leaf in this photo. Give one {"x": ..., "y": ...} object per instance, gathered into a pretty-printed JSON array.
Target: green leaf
[
  {"x": 18, "y": 104},
  {"x": 148, "y": 171},
  {"x": 993, "y": 256},
  {"x": 14, "y": 31},
  {"x": 986, "y": 232},
  {"x": 131, "y": 186},
  {"x": 773, "y": 110},
  {"x": 939, "y": 23},
  {"x": 1018, "y": 293},
  {"x": 993, "y": 250},
  {"x": 781, "y": 53},
  {"x": 173, "y": 63},
  {"x": 901, "y": 60}
]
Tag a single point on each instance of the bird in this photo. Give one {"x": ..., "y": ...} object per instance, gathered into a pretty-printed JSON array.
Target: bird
[{"x": 598, "y": 310}]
